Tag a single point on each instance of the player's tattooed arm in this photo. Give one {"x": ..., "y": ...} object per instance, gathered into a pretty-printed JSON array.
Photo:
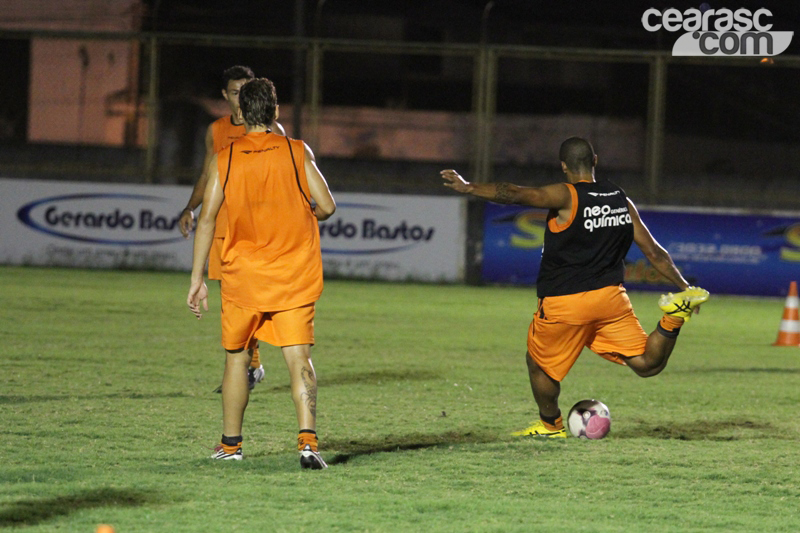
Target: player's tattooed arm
[
  {"x": 554, "y": 196},
  {"x": 503, "y": 193}
]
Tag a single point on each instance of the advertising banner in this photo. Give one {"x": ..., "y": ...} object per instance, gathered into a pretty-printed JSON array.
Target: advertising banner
[
  {"x": 92, "y": 225},
  {"x": 724, "y": 251},
  {"x": 391, "y": 237}
]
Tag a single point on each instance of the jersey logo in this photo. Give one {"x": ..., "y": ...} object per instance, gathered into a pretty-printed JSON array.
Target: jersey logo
[
  {"x": 603, "y": 217},
  {"x": 259, "y": 151},
  {"x": 604, "y": 193}
]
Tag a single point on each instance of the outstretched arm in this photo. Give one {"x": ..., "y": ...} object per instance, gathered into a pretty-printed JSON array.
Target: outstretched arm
[
  {"x": 320, "y": 192},
  {"x": 187, "y": 215},
  {"x": 206, "y": 223},
  {"x": 654, "y": 252},
  {"x": 555, "y": 196}
]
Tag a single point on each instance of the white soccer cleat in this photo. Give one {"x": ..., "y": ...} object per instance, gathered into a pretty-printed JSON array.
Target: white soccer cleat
[
  {"x": 311, "y": 459},
  {"x": 255, "y": 375},
  {"x": 219, "y": 453}
]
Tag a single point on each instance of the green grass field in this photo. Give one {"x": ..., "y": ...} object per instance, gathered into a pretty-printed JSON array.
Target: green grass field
[{"x": 108, "y": 416}]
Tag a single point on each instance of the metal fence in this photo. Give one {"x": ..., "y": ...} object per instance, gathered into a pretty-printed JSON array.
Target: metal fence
[{"x": 386, "y": 116}]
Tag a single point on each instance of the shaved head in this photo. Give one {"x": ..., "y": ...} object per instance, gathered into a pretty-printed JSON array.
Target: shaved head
[{"x": 578, "y": 154}]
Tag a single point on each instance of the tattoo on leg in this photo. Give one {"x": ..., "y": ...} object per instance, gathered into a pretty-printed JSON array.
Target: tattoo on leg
[
  {"x": 310, "y": 394},
  {"x": 502, "y": 193}
]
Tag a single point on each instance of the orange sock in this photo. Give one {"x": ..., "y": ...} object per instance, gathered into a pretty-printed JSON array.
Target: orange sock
[
  {"x": 670, "y": 323},
  {"x": 256, "y": 361},
  {"x": 307, "y": 436},
  {"x": 558, "y": 425},
  {"x": 231, "y": 444},
  {"x": 231, "y": 449},
  {"x": 670, "y": 326}
]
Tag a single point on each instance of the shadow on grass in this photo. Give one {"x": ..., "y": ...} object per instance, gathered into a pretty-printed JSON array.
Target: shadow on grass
[
  {"x": 714, "y": 430},
  {"x": 350, "y": 449},
  {"x": 368, "y": 378},
  {"x": 12, "y": 399},
  {"x": 34, "y": 511}
]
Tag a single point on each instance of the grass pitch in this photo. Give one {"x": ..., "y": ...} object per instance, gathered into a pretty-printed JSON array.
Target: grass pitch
[{"x": 108, "y": 416}]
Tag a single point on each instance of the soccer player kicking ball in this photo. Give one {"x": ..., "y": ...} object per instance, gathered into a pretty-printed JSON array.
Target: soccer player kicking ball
[
  {"x": 582, "y": 302},
  {"x": 220, "y": 134},
  {"x": 271, "y": 262}
]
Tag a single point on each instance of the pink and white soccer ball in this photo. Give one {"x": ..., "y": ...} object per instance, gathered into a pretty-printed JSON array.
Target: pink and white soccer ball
[{"x": 589, "y": 419}]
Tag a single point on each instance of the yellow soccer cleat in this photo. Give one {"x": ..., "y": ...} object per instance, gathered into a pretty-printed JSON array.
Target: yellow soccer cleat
[
  {"x": 682, "y": 304},
  {"x": 538, "y": 430}
]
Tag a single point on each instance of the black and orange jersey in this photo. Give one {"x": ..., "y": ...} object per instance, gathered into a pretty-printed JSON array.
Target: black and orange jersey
[{"x": 588, "y": 251}]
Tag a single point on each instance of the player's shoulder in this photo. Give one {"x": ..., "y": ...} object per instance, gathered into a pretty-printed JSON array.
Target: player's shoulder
[
  {"x": 562, "y": 190},
  {"x": 225, "y": 126},
  {"x": 298, "y": 145},
  {"x": 220, "y": 122}
]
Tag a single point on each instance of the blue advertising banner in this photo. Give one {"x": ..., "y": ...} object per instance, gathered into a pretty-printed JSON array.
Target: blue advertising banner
[{"x": 724, "y": 251}]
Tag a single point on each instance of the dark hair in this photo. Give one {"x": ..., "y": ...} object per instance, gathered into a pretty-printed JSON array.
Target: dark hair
[
  {"x": 578, "y": 154},
  {"x": 236, "y": 73},
  {"x": 258, "y": 101}
]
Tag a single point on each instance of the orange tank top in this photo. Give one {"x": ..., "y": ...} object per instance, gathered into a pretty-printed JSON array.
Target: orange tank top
[
  {"x": 224, "y": 132},
  {"x": 271, "y": 258}
]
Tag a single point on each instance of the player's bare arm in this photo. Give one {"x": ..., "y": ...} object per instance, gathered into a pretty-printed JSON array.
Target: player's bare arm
[
  {"x": 186, "y": 220},
  {"x": 203, "y": 237},
  {"x": 653, "y": 251},
  {"x": 320, "y": 193},
  {"x": 555, "y": 196}
]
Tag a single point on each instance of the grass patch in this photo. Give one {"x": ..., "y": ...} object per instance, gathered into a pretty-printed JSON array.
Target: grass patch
[{"x": 108, "y": 415}]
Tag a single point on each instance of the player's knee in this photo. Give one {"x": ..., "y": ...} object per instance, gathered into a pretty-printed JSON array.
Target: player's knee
[
  {"x": 297, "y": 350},
  {"x": 647, "y": 372},
  {"x": 238, "y": 357},
  {"x": 534, "y": 369}
]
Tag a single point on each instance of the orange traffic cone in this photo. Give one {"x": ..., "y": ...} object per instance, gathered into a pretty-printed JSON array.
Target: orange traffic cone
[{"x": 789, "y": 334}]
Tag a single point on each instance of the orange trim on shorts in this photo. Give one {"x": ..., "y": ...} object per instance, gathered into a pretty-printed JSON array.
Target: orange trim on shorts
[{"x": 553, "y": 224}]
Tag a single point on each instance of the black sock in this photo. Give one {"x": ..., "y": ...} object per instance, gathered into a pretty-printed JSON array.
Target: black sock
[
  {"x": 550, "y": 419},
  {"x": 231, "y": 441},
  {"x": 308, "y": 431}
]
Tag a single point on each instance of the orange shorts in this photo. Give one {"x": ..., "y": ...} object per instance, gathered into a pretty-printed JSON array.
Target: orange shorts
[
  {"x": 215, "y": 258},
  {"x": 242, "y": 327},
  {"x": 602, "y": 320}
]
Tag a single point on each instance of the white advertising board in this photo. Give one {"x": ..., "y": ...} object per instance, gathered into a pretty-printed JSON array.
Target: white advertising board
[
  {"x": 92, "y": 225},
  {"x": 394, "y": 237},
  {"x": 95, "y": 225}
]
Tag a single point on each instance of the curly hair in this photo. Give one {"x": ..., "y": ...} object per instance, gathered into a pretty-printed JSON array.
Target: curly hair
[
  {"x": 237, "y": 72},
  {"x": 258, "y": 101}
]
